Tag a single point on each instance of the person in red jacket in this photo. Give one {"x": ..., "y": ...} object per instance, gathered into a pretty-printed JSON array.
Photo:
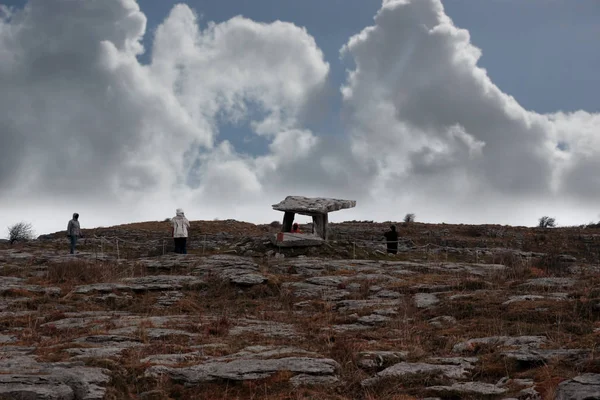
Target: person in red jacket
[{"x": 295, "y": 228}]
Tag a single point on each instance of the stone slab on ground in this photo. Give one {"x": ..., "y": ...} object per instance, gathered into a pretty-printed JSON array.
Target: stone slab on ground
[
  {"x": 407, "y": 370},
  {"x": 479, "y": 389},
  {"x": 582, "y": 387},
  {"x": 246, "y": 369}
]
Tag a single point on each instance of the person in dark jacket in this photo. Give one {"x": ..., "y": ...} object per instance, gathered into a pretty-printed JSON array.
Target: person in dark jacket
[
  {"x": 391, "y": 238},
  {"x": 74, "y": 231}
]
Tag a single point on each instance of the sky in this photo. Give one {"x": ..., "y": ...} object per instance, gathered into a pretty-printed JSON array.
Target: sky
[{"x": 459, "y": 111}]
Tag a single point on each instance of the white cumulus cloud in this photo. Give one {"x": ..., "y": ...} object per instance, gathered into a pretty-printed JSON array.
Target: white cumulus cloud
[{"x": 86, "y": 126}]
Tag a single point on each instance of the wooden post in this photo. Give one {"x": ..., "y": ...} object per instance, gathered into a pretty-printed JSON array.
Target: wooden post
[{"x": 118, "y": 255}]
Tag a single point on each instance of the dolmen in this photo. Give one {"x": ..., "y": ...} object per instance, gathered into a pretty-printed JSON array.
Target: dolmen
[{"x": 316, "y": 207}]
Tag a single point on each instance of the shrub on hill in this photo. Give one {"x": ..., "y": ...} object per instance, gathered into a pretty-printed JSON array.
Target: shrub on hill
[
  {"x": 21, "y": 231},
  {"x": 546, "y": 222}
]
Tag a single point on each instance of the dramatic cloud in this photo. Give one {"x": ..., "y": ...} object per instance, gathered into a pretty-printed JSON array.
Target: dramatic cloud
[
  {"x": 442, "y": 131},
  {"x": 85, "y": 126}
]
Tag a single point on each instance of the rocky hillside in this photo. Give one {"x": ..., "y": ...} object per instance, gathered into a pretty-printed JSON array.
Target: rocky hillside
[{"x": 462, "y": 312}]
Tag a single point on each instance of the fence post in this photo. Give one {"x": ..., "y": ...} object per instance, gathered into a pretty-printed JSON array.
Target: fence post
[
  {"x": 204, "y": 245},
  {"x": 102, "y": 246},
  {"x": 354, "y": 249},
  {"x": 118, "y": 255},
  {"x": 163, "y": 247}
]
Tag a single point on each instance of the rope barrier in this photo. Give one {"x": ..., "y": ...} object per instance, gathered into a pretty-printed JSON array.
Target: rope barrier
[{"x": 115, "y": 240}]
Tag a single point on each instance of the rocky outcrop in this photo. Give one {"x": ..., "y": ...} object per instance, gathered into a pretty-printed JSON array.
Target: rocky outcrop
[
  {"x": 252, "y": 365},
  {"x": 582, "y": 387},
  {"x": 22, "y": 377}
]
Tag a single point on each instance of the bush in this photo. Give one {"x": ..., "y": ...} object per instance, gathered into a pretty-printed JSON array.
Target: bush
[
  {"x": 275, "y": 224},
  {"x": 546, "y": 222},
  {"x": 21, "y": 231},
  {"x": 409, "y": 218}
]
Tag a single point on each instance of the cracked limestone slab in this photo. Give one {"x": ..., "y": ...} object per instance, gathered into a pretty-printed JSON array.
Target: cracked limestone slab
[
  {"x": 246, "y": 369},
  {"x": 309, "y": 290},
  {"x": 582, "y": 387},
  {"x": 469, "y": 388},
  {"x": 425, "y": 300},
  {"x": 263, "y": 328},
  {"x": 504, "y": 341},
  {"x": 378, "y": 359},
  {"x": 406, "y": 370}
]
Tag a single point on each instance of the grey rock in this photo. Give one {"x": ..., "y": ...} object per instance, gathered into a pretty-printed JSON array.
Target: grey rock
[
  {"x": 11, "y": 284},
  {"x": 70, "y": 323},
  {"x": 7, "y": 339},
  {"x": 550, "y": 282},
  {"x": 333, "y": 281},
  {"x": 48, "y": 381},
  {"x": 248, "y": 279},
  {"x": 387, "y": 294},
  {"x": 429, "y": 288},
  {"x": 465, "y": 362},
  {"x": 358, "y": 305},
  {"x": 309, "y": 290},
  {"x": 146, "y": 283},
  {"x": 379, "y": 359},
  {"x": 106, "y": 339},
  {"x": 173, "y": 359},
  {"x": 153, "y": 333},
  {"x": 312, "y": 380},
  {"x": 469, "y": 388},
  {"x": 425, "y": 300},
  {"x": 242, "y": 369},
  {"x": 165, "y": 282},
  {"x": 107, "y": 351},
  {"x": 443, "y": 321},
  {"x": 34, "y": 387},
  {"x": 406, "y": 370},
  {"x": 286, "y": 239},
  {"x": 520, "y": 341},
  {"x": 263, "y": 328},
  {"x": 348, "y": 328},
  {"x": 521, "y": 298},
  {"x": 545, "y": 355},
  {"x": 373, "y": 319},
  {"x": 582, "y": 387},
  {"x": 388, "y": 312},
  {"x": 169, "y": 298}
]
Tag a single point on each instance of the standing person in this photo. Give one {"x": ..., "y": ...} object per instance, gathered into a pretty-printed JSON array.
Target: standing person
[
  {"x": 74, "y": 231},
  {"x": 180, "y": 231},
  {"x": 391, "y": 238}
]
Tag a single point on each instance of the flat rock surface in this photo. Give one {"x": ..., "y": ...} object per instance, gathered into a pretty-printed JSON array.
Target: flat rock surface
[
  {"x": 582, "y": 387},
  {"x": 462, "y": 312}
]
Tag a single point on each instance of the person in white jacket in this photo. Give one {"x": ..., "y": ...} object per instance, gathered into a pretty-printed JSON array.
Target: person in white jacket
[{"x": 180, "y": 231}]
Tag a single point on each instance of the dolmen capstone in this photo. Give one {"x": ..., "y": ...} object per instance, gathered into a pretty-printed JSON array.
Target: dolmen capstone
[{"x": 316, "y": 207}]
